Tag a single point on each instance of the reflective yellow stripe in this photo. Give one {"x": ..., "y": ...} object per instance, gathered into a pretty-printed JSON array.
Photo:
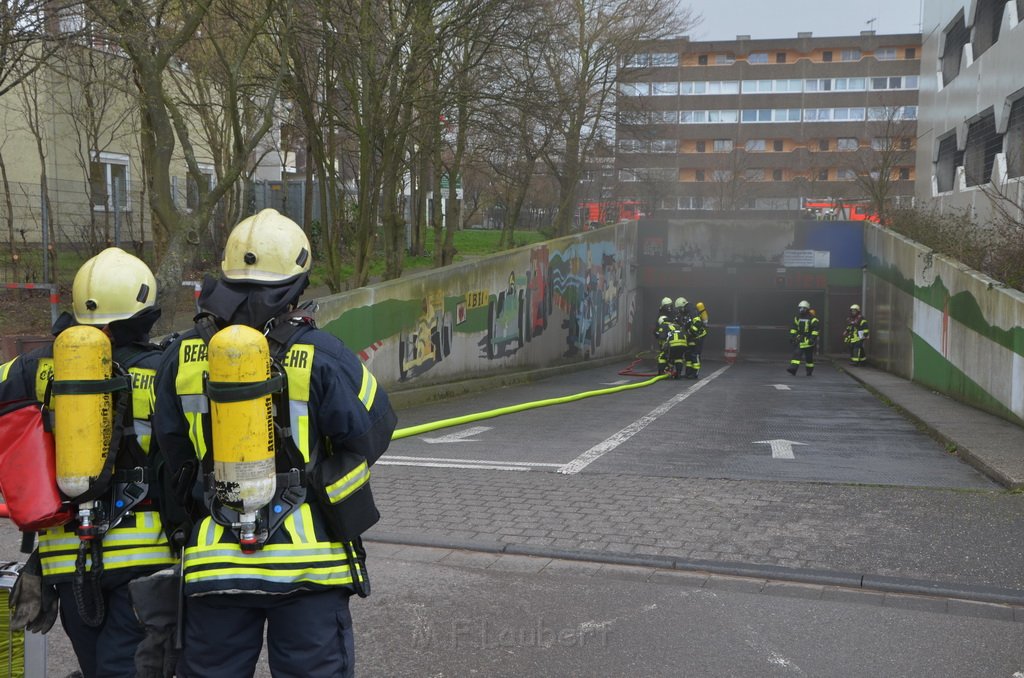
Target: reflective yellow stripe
[
  {"x": 5, "y": 368},
  {"x": 139, "y": 543},
  {"x": 348, "y": 483},
  {"x": 298, "y": 365},
  {"x": 368, "y": 389},
  {"x": 44, "y": 370},
  {"x": 143, "y": 398}
]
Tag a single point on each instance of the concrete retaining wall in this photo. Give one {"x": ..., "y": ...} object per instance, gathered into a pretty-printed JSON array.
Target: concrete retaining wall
[
  {"x": 944, "y": 325},
  {"x": 564, "y": 301}
]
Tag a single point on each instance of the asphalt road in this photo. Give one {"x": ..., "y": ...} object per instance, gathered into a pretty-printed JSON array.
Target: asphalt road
[
  {"x": 747, "y": 421},
  {"x": 747, "y": 465}
]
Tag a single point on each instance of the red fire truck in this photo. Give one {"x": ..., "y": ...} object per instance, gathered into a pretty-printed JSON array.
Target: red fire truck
[
  {"x": 593, "y": 214},
  {"x": 830, "y": 209}
]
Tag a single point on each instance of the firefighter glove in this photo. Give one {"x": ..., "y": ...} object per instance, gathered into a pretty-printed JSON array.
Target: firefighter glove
[
  {"x": 34, "y": 602},
  {"x": 156, "y": 601}
]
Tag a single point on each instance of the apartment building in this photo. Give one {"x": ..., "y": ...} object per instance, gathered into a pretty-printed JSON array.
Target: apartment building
[
  {"x": 972, "y": 107},
  {"x": 765, "y": 124}
]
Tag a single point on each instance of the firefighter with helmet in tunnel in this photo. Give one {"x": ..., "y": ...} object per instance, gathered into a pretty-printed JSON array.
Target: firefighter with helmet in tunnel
[
  {"x": 97, "y": 380},
  {"x": 277, "y": 524},
  {"x": 803, "y": 335}
]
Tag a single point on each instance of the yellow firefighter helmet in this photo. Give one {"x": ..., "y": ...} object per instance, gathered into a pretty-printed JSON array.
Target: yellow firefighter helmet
[
  {"x": 113, "y": 285},
  {"x": 267, "y": 247}
]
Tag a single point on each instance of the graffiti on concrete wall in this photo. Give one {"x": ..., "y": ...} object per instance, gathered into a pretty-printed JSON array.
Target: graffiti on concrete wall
[{"x": 548, "y": 302}]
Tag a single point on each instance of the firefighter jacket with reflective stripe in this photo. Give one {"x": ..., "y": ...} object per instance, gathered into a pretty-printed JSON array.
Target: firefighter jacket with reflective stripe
[
  {"x": 137, "y": 544},
  {"x": 804, "y": 331},
  {"x": 856, "y": 330},
  {"x": 334, "y": 403}
]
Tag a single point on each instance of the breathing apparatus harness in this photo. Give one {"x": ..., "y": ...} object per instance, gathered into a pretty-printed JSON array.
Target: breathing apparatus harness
[
  {"x": 111, "y": 495},
  {"x": 290, "y": 479}
]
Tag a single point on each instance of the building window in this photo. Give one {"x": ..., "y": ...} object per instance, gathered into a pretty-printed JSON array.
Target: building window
[
  {"x": 948, "y": 159},
  {"x": 826, "y": 55},
  {"x": 634, "y": 89},
  {"x": 663, "y": 146},
  {"x": 780, "y": 57},
  {"x": 702, "y": 60},
  {"x": 881, "y": 144},
  {"x": 983, "y": 143},
  {"x": 632, "y": 146},
  {"x": 723, "y": 146},
  {"x": 628, "y": 175},
  {"x": 847, "y": 144},
  {"x": 757, "y": 58},
  {"x": 724, "y": 59},
  {"x": 1015, "y": 140},
  {"x": 756, "y": 174},
  {"x": 822, "y": 144},
  {"x": 721, "y": 175},
  {"x": 904, "y": 173},
  {"x": 955, "y": 37},
  {"x": 692, "y": 117},
  {"x": 885, "y": 53},
  {"x": 192, "y": 189},
  {"x": 701, "y": 146},
  {"x": 109, "y": 177},
  {"x": 776, "y": 175},
  {"x": 665, "y": 59},
  {"x": 637, "y": 61},
  {"x": 777, "y": 146},
  {"x": 850, "y": 84},
  {"x": 849, "y": 55},
  {"x": 664, "y": 117},
  {"x": 910, "y": 53},
  {"x": 823, "y": 175},
  {"x": 660, "y": 89},
  {"x": 754, "y": 145},
  {"x": 698, "y": 175},
  {"x": 846, "y": 174}
]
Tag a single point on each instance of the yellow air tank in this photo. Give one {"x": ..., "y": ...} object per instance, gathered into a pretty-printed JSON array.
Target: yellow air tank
[
  {"x": 82, "y": 422},
  {"x": 243, "y": 430}
]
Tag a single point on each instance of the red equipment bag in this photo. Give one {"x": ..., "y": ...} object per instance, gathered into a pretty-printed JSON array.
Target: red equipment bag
[{"x": 28, "y": 468}]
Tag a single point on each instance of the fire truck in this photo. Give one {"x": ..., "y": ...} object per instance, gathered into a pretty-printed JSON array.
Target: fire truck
[
  {"x": 593, "y": 214},
  {"x": 830, "y": 209}
]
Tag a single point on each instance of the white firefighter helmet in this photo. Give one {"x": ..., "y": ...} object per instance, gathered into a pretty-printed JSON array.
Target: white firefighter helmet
[
  {"x": 804, "y": 305},
  {"x": 855, "y": 308},
  {"x": 665, "y": 301},
  {"x": 267, "y": 247},
  {"x": 113, "y": 285},
  {"x": 662, "y": 319},
  {"x": 681, "y": 302}
]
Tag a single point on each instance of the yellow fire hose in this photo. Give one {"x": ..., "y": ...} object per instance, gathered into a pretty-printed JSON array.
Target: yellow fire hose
[{"x": 488, "y": 414}]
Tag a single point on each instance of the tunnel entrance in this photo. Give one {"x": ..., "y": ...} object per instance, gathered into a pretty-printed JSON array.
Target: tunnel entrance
[{"x": 752, "y": 273}]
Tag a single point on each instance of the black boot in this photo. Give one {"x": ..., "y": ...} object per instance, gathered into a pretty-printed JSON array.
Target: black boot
[
  {"x": 791, "y": 369},
  {"x": 810, "y": 371}
]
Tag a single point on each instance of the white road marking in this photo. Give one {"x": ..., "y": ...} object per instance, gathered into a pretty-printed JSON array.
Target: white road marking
[
  {"x": 781, "y": 449},
  {"x": 486, "y": 467},
  {"x": 459, "y": 436},
  {"x": 609, "y": 444},
  {"x": 620, "y": 382},
  {"x": 781, "y": 387},
  {"x": 402, "y": 458}
]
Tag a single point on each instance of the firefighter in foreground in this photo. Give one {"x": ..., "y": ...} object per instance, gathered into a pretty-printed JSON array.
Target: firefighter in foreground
[
  {"x": 803, "y": 335},
  {"x": 672, "y": 343},
  {"x": 269, "y": 426},
  {"x": 98, "y": 379},
  {"x": 855, "y": 334},
  {"x": 696, "y": 329}
]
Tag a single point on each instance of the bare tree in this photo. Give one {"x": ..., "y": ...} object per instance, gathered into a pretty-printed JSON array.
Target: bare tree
[
  {"x": 161, "y": 37},
  {"x": 24, "y": 41},
  {"x": 877, "y": 169},
  {"x": 586, "y": 40}
]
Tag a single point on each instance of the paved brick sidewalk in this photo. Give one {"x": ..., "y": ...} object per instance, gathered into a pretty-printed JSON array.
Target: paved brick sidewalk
[{"x": 956, "y": 537}]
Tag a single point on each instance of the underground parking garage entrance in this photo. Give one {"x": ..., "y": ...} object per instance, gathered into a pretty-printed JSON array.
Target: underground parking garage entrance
[{"x": 751, "y": 274}]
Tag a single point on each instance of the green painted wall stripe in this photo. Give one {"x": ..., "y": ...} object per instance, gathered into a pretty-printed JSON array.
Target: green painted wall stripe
[{"x": 933, "y": 370}]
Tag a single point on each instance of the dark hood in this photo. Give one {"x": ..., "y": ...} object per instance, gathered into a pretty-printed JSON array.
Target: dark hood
[
  {"x": 234, "y": 303},
  {"x": 122, "y": 332}
]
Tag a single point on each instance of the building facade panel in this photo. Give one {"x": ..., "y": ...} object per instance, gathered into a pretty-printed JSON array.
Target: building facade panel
[{"x": 770, "y": 121}]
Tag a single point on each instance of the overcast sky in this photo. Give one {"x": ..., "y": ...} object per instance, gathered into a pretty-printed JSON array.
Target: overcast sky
[{"x": 725, "y": 19}]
